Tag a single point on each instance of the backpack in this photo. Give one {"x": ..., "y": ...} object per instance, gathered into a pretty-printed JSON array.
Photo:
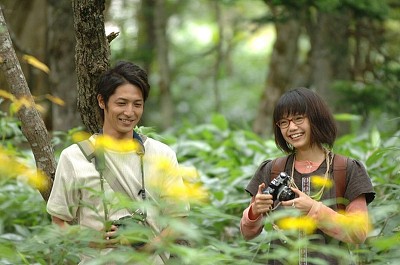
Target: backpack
[{"x": 339, "y": 174}]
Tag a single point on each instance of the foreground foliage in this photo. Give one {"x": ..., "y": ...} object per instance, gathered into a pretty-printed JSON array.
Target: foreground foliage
[{"x": 225, "y": 159}]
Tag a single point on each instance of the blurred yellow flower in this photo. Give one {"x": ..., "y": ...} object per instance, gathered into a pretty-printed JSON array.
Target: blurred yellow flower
[
  {"x": 188, "y": 173},
  {"x": 55, "y": 100},
  {"x": 124, "y": 145},
  {"x": 14, "y": 167},
  {"x": 353, "y": 221},
  {"x": 37, "y": 179},
  {"x": 166, "y": 174},
  {"x": 36, "y": 63},
  {"x": 163, "y": 165},
  {"x": 191, "y": 192},
  {"x": 79, "y": 136},
  {"x": 319, "y": 181},
  {"x": 307, "y": 224},
  {"x": 17, "y": 104},
  {"x": 6, "y": 95}
]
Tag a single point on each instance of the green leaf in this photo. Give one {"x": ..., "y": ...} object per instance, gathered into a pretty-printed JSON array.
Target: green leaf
[{"x": 220, "y": 121}]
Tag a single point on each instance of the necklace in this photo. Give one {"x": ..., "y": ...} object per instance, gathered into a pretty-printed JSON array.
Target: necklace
[{"x": 317, "y": 196}]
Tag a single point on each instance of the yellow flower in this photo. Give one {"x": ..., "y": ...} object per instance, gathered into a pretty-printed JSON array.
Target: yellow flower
[
  {"x": 17, "y": 104},
  {"x": 80, "y": 136},
  {"x": 124, "y": 145},
  {"x": 166, "y": 174},
  {"x": 188, "y": 173},
  {"x": 319, "y": 181},
  {"x": 6, "y": 95},
  {"x": 36, "y": 179},
  {"x": 13, "y": 167},
  {"x": 36, "y": 63},
  {"x": 164, "y": 165},
  {"x": 353, "y": 221},
  {"x": 55, "y": 100},
  {"x": 193, "y": 193},
  {"x": 307, "y": 224}
]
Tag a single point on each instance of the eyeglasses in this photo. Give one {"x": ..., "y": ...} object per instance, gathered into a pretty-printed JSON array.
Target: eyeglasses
[{"x": 284, "y": 123}]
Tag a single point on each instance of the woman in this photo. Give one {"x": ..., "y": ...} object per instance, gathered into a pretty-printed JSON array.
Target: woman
[{"x": 304, "y": 128}]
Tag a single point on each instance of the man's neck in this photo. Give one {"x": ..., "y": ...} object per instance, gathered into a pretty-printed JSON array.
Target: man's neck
[{"x": 117, "y": 135}]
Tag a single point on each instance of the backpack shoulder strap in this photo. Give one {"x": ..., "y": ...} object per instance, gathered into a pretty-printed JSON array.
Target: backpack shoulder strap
[
  {"x": 87, "y": 149},
  {"x": 339, "y": 174},
  {"x": 278, "y": 166}
]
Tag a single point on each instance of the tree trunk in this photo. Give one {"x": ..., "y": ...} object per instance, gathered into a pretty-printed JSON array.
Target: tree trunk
[
  {"x": 27, "y": 21},
  {"x": 61, "y": 61},
  {"x": 329, "y": 58},
  {"x": 31, "y": 122},
  {"x": 282, "y": 67},
  {"x": 91, "y": 58},
  {"x": 218, "y": 57},
  {"x": 146, "y": 33},
  {"x": 166, "y": 104}
]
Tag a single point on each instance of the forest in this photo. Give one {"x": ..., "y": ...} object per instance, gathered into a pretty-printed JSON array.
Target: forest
[{"x": 216, "y": 69}]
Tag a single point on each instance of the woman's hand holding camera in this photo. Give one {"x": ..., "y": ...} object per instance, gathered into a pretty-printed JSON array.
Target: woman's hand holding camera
[
  {"x": 302, "y": 202},
  {"x": 262, "y": 203}
]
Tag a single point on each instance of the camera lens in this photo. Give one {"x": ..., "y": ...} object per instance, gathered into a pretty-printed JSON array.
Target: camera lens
[{"x": 286, "y": 194}]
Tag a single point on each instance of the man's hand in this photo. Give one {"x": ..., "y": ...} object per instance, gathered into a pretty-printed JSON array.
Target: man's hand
[{"x": 58, "y": 221}]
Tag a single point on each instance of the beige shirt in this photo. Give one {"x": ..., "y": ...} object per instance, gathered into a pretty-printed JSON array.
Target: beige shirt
[{"x": 77, "y": 195}]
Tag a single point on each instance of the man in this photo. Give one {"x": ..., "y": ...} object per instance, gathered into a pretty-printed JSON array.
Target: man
[{"x": 83, "y": 194}]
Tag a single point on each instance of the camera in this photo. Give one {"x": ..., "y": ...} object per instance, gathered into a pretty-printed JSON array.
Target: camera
[
  {"x": 279, "y": 188},
  {"x": 138, "y": 217}
]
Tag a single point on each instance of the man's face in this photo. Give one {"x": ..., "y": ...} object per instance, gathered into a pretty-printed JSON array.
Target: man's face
[{"x": 123, "y": 111}]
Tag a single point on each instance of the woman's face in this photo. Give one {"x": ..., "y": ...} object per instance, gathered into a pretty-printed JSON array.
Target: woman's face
[{"x": 296, "y": 131}]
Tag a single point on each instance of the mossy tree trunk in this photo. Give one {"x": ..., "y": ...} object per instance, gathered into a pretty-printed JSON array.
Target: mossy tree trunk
[{"x": 91, "y": 57}]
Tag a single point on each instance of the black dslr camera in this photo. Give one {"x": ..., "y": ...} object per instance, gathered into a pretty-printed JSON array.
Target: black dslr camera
[
  {"x": 138, "y": 217},
  {"x": 279, "y": 188}
]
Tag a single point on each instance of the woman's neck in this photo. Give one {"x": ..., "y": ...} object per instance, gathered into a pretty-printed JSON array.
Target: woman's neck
[{"x": 314, "y": 154}]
